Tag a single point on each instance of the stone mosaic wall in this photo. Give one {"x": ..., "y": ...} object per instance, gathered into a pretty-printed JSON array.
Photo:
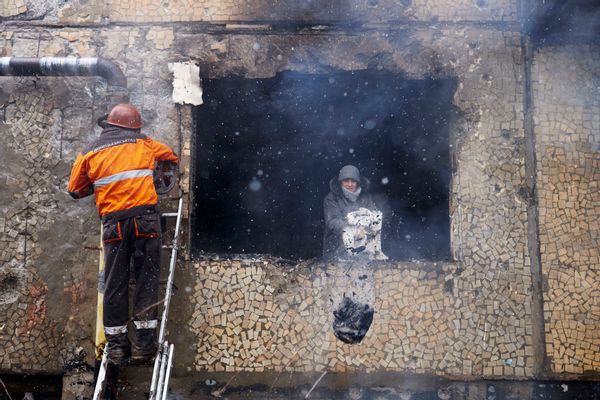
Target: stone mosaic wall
[
  {"x": 48, "y": 241},
  {"x": 468, "y": 318},
  {"x": 255, "y": 315},
  {"x": 9, "y": 8},
  {"x": 489, "y": 218},
  {"x": 488, "y": 317},
  {"x": 42, "y": 273},
  {"x": 566, "y": 82}
]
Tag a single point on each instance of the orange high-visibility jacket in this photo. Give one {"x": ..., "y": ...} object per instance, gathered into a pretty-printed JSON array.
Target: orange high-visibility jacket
[{"x": 118, "y": 168}]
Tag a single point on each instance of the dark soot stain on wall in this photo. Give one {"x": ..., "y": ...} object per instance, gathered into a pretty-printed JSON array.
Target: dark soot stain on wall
[{"x": 267, "y": 148}]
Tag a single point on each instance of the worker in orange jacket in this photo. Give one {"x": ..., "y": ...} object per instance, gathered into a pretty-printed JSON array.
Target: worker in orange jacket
[{"x": 118, "y": 168}]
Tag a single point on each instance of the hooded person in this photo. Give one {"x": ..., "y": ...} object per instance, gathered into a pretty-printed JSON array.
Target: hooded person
[{"x": 353, "y": 220}]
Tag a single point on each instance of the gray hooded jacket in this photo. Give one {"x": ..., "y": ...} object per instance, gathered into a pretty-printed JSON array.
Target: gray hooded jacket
[{"x": 336, "y": 206}]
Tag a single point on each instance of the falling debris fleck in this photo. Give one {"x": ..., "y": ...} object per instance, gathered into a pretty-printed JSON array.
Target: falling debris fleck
[
  {"x": 370, "y": 124},
  {"x": 315, "y": 385},
  {"x": 340, "y": 131},
  {"x": 237, "y": 133},
  {"x": 407, "y": 237},
  {"x": 564, "y": 387},
  {"x": 508, "y": 362},
  {"x": 331, "y": 80},
  {"x": 351, "y": 151},
  {"x": 259, "y": 172},
  {"x": 5, "y": 390},
  {"x": 188, "y": 289},
  {"x": 385, "y": 180},
  {"x": 491, "y": 393},
  {"x": 255, "y": 185},
  {"x": 256, "y": 46},
  {"x": 210, "y": 382}
]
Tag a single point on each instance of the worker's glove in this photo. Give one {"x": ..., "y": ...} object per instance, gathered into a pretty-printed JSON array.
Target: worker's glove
[
  {"x": 102, "y": 121},
  {"x": 361, "y": 217}
]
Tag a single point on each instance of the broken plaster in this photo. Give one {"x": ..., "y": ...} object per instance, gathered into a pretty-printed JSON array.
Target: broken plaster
[{"x": 187, "y": 88}]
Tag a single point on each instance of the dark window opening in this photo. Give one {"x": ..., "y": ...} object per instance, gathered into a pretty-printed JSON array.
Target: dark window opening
[{"x": 265, "y": 150}]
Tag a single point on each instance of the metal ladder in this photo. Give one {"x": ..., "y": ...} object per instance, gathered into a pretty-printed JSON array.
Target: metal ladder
[{"x": 164, "y": 356}]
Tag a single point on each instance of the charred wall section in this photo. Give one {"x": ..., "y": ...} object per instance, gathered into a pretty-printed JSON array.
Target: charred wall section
[
  {"x": 43, "y": 244},
  {"x": 49, "y": 243},
  {"x": 486, "y": 307},
  {"x": 469, "y": 317},
  {"x": 287, "y": 12},
  {"x": 484, "y": 300}
]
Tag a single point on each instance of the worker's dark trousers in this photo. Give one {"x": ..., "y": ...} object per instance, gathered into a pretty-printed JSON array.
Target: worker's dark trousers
[{"x": 136, "y": 238}]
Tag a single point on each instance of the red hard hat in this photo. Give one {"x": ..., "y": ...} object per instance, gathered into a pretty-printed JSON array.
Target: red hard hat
[{"x": 125, "y": 116}]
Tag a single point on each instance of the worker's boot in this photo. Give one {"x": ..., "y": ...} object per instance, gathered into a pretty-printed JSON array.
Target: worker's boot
[
  {"x": 144, "y": 346},
  {"x": 118, "y": 348}
]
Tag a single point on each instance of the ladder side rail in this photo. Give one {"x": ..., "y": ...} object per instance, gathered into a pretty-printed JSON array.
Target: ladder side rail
[
  {"x": 169, "y": 289},
  {"x": 163, "y": 369},
  {"x": 168, "y": 374},
  {"x": 155, "y": 371},
  {"x": 162, "y": 350},
  {"x": 100, "y": 382}
]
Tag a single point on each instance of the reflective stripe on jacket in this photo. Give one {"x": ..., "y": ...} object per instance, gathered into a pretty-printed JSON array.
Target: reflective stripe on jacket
[{"x": 118, "y": 167}]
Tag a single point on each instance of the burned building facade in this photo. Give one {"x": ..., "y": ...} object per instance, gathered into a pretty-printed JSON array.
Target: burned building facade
[{"x": 513, "y": 292}]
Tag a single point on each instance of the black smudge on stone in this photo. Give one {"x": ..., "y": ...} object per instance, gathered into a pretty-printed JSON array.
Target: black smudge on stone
[{"x": 352, "y": 321}]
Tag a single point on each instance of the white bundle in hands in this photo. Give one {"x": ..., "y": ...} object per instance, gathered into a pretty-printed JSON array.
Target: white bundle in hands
[{"x": 363, "y": 233}]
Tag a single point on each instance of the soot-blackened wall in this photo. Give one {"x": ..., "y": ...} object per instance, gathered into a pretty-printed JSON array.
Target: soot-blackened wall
[{"x": 266, "y": 150}]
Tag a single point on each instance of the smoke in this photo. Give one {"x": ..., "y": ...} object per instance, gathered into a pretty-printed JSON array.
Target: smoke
[
  {"x": 562, "y": 20},
  {"x": 268, "y": 148}
]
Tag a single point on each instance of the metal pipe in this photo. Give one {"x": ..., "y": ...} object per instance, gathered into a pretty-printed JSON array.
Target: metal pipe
[{"x": 63, "y": 66}]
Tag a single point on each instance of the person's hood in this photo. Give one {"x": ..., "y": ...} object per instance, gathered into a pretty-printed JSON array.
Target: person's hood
[
  {"x": 111, "y": 130},
  {"x": 336, "y": 186}
]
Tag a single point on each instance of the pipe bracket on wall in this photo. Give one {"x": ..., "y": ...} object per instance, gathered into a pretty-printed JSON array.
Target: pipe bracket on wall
[{"x": 64, "y": 66}]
